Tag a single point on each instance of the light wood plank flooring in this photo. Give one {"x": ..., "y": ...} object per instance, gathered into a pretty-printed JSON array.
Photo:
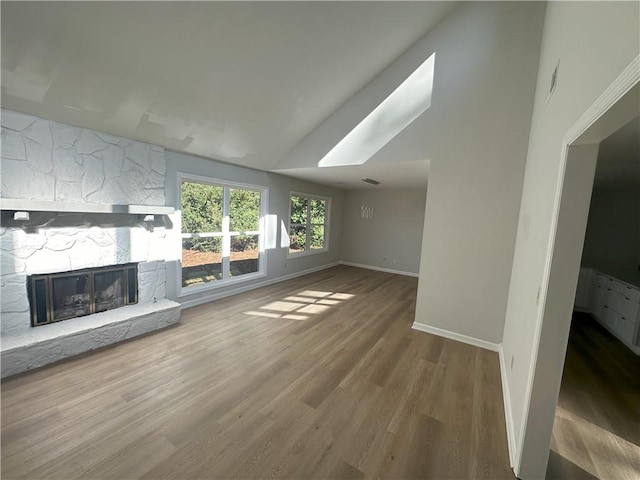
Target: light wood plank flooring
[
  {"x": 318, "y": 377},
  {"x": 596, "y": 433}
]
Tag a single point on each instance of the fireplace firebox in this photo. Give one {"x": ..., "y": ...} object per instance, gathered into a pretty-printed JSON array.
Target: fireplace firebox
[{"x": 60, "y": 296}]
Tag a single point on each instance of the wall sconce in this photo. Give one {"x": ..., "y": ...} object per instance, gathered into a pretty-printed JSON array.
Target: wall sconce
[{"x": 366, "y": 212}]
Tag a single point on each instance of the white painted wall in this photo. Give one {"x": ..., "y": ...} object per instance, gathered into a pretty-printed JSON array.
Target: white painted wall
[
  {"x": 476, "y": 136},
  {"x": 591, "y": 57},
  {"x": 278, "y": 265},
  {"x": 612, "y": 242},
  {"x": 393, "y": 237}
]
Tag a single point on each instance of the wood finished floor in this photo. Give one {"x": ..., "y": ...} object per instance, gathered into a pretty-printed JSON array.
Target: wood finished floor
[
  {"x": 318, "y": 377},
  {"x": 596, "y": 433}
]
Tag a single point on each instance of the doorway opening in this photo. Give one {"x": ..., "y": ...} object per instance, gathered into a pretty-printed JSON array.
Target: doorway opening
[
  {"x": 617, "y": 106},
  {"x": 596, "y": 432}
]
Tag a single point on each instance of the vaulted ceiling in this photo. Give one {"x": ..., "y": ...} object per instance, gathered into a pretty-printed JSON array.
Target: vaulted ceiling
[{"x": 239, "y": 82}]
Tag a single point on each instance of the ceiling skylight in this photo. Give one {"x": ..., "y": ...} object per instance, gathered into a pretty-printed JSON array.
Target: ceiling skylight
[{"x": 394, "y": 114}]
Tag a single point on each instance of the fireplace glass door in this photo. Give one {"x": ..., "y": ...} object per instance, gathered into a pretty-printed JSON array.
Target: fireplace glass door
[
  {"x": 109, "y": 289},
  {"x": 71, "y": 295},
  {"x": 60, "y": 296}
]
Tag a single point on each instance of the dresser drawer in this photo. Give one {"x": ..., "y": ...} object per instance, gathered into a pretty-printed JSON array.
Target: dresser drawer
[
  {"x": 615, "y": 285},
  {"x": 600, "y": 279},
  {"x": 625, "y": 329},
  {"x": 632, "y": 293},
  {"x": 628, "y": 308},
  {"x": 612, "y": 299}
]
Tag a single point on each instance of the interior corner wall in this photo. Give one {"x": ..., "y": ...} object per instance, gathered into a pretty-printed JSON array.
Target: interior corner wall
[
  {"x": 279, "y": 266},
  {"x": 579, "y": 36},
  {"x": 612, "y": 242},
  {"x": 477, "y": 130},
  {"x": 392, "y": 237}
]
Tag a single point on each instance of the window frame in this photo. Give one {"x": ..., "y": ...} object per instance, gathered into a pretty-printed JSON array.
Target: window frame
[
  {"x": 226, "y": 233},
  {"x": 308, "y": 250}
]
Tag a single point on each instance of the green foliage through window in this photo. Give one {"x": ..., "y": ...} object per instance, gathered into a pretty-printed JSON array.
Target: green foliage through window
[
  {"x": 307, "y": 230},
  {"x": 204, "y": 234},
  {"x": 201, "y": 212}
]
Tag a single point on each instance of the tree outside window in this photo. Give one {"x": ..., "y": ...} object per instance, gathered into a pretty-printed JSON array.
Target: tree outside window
[
  {"x": 308, "y": 224},
  {"x": 221, "y": 231}
]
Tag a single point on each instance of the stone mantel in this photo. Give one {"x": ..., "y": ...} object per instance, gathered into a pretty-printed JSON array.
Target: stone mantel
[{"x": 13, "y": 204}]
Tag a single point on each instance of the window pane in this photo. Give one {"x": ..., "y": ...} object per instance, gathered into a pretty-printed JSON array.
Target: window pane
[
  {"x": 298, "y": 209},
  {"x": 201, "y": 208},
  {"x": 244, "y": 210},
  {"x": 297, "y": 239},
  {"x": 244, "y": 255},
  {"x": 201, "y": 260},
  {"x": 317, "y": 236},
  {"x": 318, "y": 211}
]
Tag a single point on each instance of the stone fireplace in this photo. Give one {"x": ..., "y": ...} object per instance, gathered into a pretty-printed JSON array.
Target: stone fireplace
[{"x": 82, "y": 239}]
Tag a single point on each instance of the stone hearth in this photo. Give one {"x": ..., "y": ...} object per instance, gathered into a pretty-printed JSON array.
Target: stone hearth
[{"x": 56, "y": 341}]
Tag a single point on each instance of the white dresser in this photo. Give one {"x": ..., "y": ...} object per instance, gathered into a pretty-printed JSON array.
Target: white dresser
[{"x": 613, "y": 302}]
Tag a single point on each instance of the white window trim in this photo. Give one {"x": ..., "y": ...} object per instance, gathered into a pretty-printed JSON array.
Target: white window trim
[
  {"x": 262, "y": 253},
  {"x": 310, "y": 251}
]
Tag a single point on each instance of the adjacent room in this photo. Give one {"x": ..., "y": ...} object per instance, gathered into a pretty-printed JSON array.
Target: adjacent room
[
  {"x": 597, "y": 426},
  {"x": 309, "y": 239}
]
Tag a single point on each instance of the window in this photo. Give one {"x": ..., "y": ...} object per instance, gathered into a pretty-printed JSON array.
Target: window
[
  {"x": 308, "y": 224},
  {"x": 222, "y": 231}
]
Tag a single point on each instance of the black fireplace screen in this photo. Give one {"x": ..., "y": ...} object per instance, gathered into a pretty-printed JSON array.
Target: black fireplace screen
[{"x": 60, "y": 296}]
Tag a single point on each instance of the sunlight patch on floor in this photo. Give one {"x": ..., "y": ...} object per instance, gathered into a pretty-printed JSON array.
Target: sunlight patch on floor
[
  {"x": 283, "y": 306},
  {"x": 342, "y": 296},
  {"x": 324, "y": 301},
  {"x": 603, "y": 443},
  {"x": 300, "y": 299},
  {"x": 315, "y": 308},
  {"x": 315, "y": 293},
  {"x": 307, "y": 302}
]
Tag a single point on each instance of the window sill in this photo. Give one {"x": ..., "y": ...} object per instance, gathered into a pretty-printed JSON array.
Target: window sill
[
  {"x": 204, "y": 287},
  {"x": 307, "y": 253}
]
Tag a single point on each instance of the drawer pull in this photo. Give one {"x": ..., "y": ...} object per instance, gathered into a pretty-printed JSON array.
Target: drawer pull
[{"x": 627, "y": 298}]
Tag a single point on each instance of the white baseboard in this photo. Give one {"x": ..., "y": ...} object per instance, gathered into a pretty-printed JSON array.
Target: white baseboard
[
  {"x": 476, "y": 342},
  {"x": 216, "y": 295},
  {"x": 508, "y": 416},
  {"x": 379, "y": 269}
]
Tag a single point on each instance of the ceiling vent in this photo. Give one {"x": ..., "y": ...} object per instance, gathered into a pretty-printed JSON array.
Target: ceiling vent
[{"x": 371, "y": 181}]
